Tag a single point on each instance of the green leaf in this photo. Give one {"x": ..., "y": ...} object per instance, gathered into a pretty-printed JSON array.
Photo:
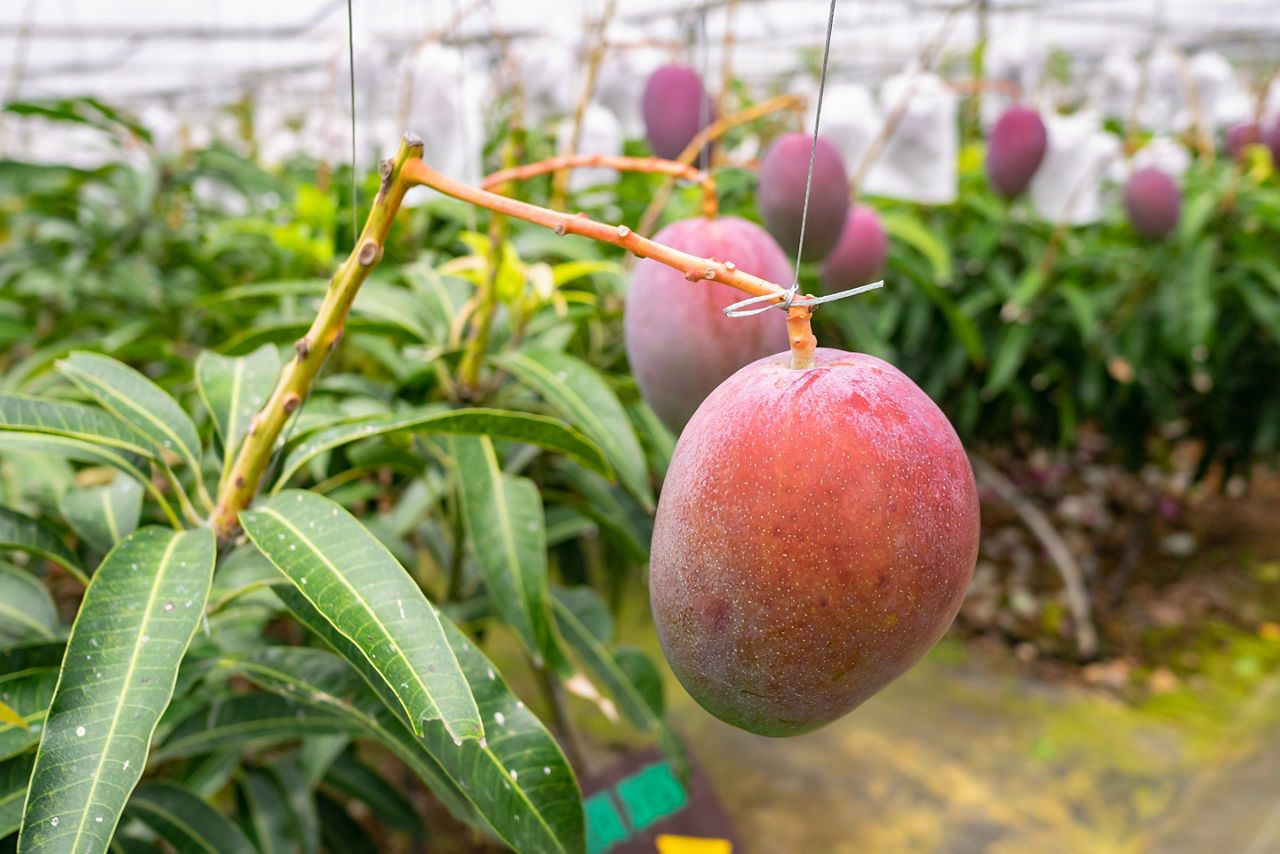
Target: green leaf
[
  {"x": 133, "y": 628},
  {"x": 269, "y": 820},
  {"x": 234, "y": 389},
  {"x": 961, "y": 324},
  {"x": 331, "y": 690},
  {"x": 72, "y": 420},
  {"x": 498, "y": 424},
  {"x": 26, "y": 609},
  {"x": 22, "y": 533},
  {"x": 133, "y": 398},
  {"x": 354, "y": 779},
  {"x": 620, "y": 518},
  {"x": 291, "y": 780},
  {"x": 359, "y": 586},
  {"x": 1201, "y": 306},
  {"x": 909, "y": 230},
  {"x": 104, "y": 515},
  {"x": 134, "y": 466},
  {"x": 244, "y": 722},
  {"x": 573, "y": 387},
  {"x": 185, "y": 821},
  {"x": 15, "y": 776},
  {"x": 583, "y": 634},
  {"x": 1009, "y": 356},
  {"x": 508, "y": 534},
  {"x": 29, "y": 694},
  {"x": 518, "y": 779}
]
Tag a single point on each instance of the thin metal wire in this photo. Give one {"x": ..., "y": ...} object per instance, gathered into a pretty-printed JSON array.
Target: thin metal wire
[
  {"x": 739, "y": 309},
  {"x": 813, "y": 146},
  {"x": 351, "y": 60}
]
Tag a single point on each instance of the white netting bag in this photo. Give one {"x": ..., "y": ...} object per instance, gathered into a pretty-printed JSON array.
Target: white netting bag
[
  {"x": 919, "y": 161},
  {"x": 1013, "y": 57},
  {"x": 445, "y": 101},
  {"x": 1114, "y": 86},
  {"x": 1070, "y": 184},
  {"x": 851, "y": 119},
  {"x": 1224, "y": 99}
]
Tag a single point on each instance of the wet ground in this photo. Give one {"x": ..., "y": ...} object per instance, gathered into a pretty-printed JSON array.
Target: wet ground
[{"x": 973, "y": 752}]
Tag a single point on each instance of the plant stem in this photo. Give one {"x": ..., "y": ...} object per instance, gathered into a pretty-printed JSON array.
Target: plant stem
[
  {"x": 237, "y": 489},
  {"x": 560, "y": 181},
  {"x": 710, "y": 203},
  {"x": 800, "y": 334},
  {"x": 694, "y": 268}
]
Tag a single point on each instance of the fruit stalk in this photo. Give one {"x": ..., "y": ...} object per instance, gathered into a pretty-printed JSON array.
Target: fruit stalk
[
  {"x": 800, "y": 334},
  {"x": 240, "y": 484},
  {"x": 652, "y": 165}
]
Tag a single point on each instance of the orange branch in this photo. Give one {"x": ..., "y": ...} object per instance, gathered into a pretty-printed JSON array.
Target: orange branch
[
  {"x": 656, "y": 165},
  {"x": 694, "y": 268}
]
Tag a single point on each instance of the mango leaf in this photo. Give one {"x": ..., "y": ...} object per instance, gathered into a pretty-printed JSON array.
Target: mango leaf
[
  {"x": 72, "y": 420},
  {"x": 1201, "y": 304},
  {"x": 581, "y": 618},
  {"x": 353, "y": 580},
  {"x": 329, "y": 689},
  {"x": 252, "y": 720},
  {"x": 184, "y": 820},
  {"x": 133, "y": 628},
  {"x": 507, "y": 531},
  {"x": 22, "y": 533},
  {"x": 518, "y": 779},
  {"x": 290, "y": 777},
  {"x": 357, "y": 780},
  {"x": 908, "y": 229},
  {"x": 620, "y": 518},
  {"x": 26, "y": 609},
  {"x": 269, "y": 821},
  {"x": 103, "y": 515},
  {"x": 1009, "y": 355},
  {"x": 15, "y": 775},
  {"x": 138, "y": 401},
  {"x": 28, "y": 694},
  {"x": 82, "y": 450},
  {"x": 576, "y": 390},
  {"x": 498, "y": 424},
  {"x": 234, "y": 389}
]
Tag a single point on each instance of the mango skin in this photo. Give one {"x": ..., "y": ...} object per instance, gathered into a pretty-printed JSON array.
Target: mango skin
[
  {"x": 1015, "y": 150},
  {"x": 676, "y": 107},
  {"x": 860, "y": 254},
  {"x": 784, "y": 172},
  {"x": 1153, "y": 202},
  {"x": 679, "y": 343},
  {"x": 814, "y": 538}
]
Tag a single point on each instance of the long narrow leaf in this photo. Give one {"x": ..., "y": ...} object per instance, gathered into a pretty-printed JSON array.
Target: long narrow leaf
[
  {"x": 15, "y": 776},
  {"x": 495, "y": 423},
  {"x": 591, "y": 648},
  {"x": 28, "y": 694},
  {"x": 252, "y": 720},
  {"x": 507, "y": 530},
  {"x": 136, "y": 400},
  {"x": 104, "y": 515},
  {"x": 573, "y": 387},
  {"x": 185, "y": 821},
  {"x": 26, "y": 609},
  {"x": 518, "y": 779},
  {"x": 22, "y": 533},
  {"x": 233, "y": 389},
  {"x": 131, "y": 464},
  {"x": 73, "y": 420},
  {"x": 351, "y": 578},
  {"x": 134, "y": 625}
]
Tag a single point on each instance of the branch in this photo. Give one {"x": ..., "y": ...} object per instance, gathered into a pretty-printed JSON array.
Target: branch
[
  {"x": 710, "y": 205},
  {"x": 694, "y": 268},
  {"x": 1040, "y": 526},
  {"x": 560, "y": 181},
  {"x": 237, "y": 489}
]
